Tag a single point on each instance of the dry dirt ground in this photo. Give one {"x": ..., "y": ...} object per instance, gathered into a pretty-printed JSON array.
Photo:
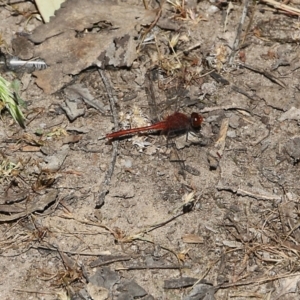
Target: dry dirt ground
[{"x": 211, "y": 215}]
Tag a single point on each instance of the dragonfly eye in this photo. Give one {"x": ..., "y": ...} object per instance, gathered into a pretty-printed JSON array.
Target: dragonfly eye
[{"x": 196, "y": 120}]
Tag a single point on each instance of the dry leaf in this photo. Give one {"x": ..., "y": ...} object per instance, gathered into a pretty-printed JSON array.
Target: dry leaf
[
  {"x": 48, "y": 7},
  {"x": 38, "y": 204},
  {"x": 30, "y": 148},
  {"x": 233, "y": 244},
  {"x": 192, "y": 239},
  {"x": 287, "y": 285},
  {"x": 68, "y": 47}
]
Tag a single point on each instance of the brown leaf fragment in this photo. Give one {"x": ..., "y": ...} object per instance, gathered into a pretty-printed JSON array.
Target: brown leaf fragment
[
  {"x": 49, "y": 82},
  {"x": 44, "y": 180},
  {"x": 13, "y": 197},
  {"x": 192, "y": 239},
  {"x": 30, "y": 148},
  {"x": 22, "y": 47},
  {"x": 14, "y": 208},
  {"x": 39, "y": 204},
  {"x": 70, "y": 139},
  {"x": 112, "y": 39}
]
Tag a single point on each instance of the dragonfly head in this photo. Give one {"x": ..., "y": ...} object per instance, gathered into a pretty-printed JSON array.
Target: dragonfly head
[{"x": 196, "y": 120}]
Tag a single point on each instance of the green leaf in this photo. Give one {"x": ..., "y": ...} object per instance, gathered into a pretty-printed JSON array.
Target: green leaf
[{"x": 10, "y": 99}]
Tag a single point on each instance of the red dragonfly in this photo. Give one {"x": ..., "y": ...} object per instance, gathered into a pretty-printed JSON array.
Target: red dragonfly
[{"x": 176, "y": 122}]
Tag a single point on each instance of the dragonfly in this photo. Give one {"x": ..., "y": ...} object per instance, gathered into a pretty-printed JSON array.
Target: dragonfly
[{"x": 174, "y": 123}]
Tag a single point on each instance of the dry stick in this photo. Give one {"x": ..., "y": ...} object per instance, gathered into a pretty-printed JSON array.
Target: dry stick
[
  {"x": 34, "y": 292},
  {"x": 140, "y": 235},
  {"x": 88, "y": 222},
  {"x": 293, "y": 229},
  {"x": 264, "y": 73},
  {"x": 258, "y": 280},
  {"x": 112, "y": 99},
  {"x": 97, "y": 263},
  {"x": 249, "y": 25},
  {"x": 239, "y": 31},
  {"x": 81, "y": 253},
  {"x": 261, "y": 138},
  {"x": 249, "y": 193},
  {"x": 108, "y": 175},
  {"x": 149, "y": 229},
  {"x": 150, "y": 267},
  {"x": 239, "y": 90},
  {"x": 145, "y": 4},
  {"x": 286, "y": 8},
  {"x": 206, "y": 271},
  {"x": 158, "y": 15},
  {"x": 158, "y": 225},
  {"x": 225, "y": 107},
  {"x": 197, "y": 45}
]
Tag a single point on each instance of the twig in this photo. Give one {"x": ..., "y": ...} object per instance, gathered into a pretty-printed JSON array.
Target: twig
[
  {"x": 110, "y": 259},
  {"x": 140, "y": 235},
  {"x": 254, "y": 193},
  {"x": 108, "y": 175},
  {"x": 52, "y": 248},
  {"x": 206, "y": 271},
  {"x": 111, "y": 97},
  {"x": 264, "y": 73},
  {"x": 258, "y": 280},
  {"x": 241, "y": 91},
  {"x": 265, "y": 136},
  {"x": 285, "y": 8},
  {"x": 87, "y": 222},
  {"x": 197, "y": 45},
  {"x": 224, "y": 107},
  {"x": 242, "y": 44},
  {"x": 145, "y": 4},
  {"x": 149, "y": 228},
  {"x": 109, "y": 172},
  {"x": 151, "y": 267},
  {"x": 33, "y": 292},
  {"x": 158, "y": 15},
  {"x": 239, "y": 31},
  {"x": 293, "y": 229},
  {"x": 218, "y": 78},
  {"x": 158, "y": 225}
]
